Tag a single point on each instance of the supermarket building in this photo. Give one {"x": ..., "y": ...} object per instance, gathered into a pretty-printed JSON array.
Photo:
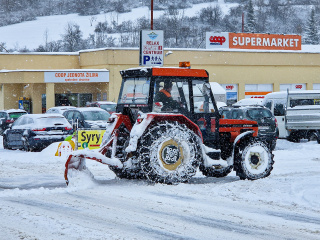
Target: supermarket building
[{"x": 44, "y": 78}]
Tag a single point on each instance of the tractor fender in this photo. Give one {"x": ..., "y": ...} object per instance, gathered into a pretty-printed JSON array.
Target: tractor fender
[
  {"x": 237, "y": 140},
  {"x": 114, "y": 122},
  {"x": 145, "y": 120}
]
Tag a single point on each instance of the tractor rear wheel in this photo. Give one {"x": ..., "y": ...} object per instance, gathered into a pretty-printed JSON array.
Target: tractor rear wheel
[
  {"x": 253, "y": 161},
  {"x": 169, "y": 152}
]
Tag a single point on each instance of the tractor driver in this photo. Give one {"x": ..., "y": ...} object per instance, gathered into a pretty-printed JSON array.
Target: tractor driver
[{"x": 164, "y": 96}]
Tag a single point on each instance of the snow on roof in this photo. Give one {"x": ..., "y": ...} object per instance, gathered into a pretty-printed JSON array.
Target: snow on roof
[
  {"x": 104, "y": 102},
  {"x": 37, "y": 116},
  {"x": 86, "y": 109},
  {"x": 15, "y": 110},
  {"x": 55, "y": 70},
  {"x": 283, "y": 94},
  {"x": 40, "y": 53}
]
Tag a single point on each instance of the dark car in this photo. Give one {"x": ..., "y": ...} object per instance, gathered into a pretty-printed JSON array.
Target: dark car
[
  {"x": 36, "y": 131},
  {"x": 110, "y": 107},
  {"x": 7, "y": 117},
  {"x": 87, "y": 117},
  {"x": 268, "y": 127}
]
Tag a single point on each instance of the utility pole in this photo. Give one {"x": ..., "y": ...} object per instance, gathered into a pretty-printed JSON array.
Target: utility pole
[
  {"x": 151, "y": 14},
  {"x": 242, "y": 21}
]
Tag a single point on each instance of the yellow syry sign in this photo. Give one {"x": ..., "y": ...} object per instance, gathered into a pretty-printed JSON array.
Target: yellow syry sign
[{"x": 90, "y": 138}]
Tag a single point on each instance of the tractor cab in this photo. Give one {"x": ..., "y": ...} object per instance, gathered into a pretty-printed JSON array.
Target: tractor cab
[{"x": 172, "y": 90}]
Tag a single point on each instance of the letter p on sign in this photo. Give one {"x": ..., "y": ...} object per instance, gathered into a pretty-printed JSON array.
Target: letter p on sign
[{"x": 146, "y": 59}]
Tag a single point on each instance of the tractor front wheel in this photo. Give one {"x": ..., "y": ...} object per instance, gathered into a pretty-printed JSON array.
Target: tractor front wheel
[
  {"x": 169, "y": 153},
  {"x": 253, "y": 161}
]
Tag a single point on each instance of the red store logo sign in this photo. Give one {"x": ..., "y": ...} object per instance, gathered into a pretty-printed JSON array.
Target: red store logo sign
[
  {"x": 229, "y": 87},
  {"x": 217, "y": 40}
]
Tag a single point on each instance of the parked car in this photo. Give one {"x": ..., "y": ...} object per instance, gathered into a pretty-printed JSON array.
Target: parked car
[
  {"x": 36, "y": 131},
  {"x": 60, "y": 109},
  {"x": 110, "y": 107},
  {"x": 7, "y": 117},
  {"x": 87, "y": 117},
  {"x": 268, "y": 127}
]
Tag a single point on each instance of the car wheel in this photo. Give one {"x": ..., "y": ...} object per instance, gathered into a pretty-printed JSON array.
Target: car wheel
[
  {"x": 273, "y": 144},
  {"x": 312, "y": 136},
  {"x": 5, "y": 143}
]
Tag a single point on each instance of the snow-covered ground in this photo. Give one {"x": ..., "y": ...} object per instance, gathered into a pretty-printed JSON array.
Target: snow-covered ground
[
  {"x": 36, "y": 204},
  {"x": 31, "y": 34}
]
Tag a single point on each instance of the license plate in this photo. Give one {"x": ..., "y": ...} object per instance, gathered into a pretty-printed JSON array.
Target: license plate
[
  {"x": 56, "y": 130},
  {"x": 264, "y": 127}
]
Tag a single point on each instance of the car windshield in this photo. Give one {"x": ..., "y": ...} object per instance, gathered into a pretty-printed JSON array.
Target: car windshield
[
  {"x": 109, "y": 107},
  {"x": 257, "y": 114},
  {"x": 16, "y": 115},
  {"x": 96, "y": 115}
]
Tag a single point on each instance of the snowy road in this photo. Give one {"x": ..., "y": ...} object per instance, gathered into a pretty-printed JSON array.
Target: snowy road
[{"x": 36, "y": 204}]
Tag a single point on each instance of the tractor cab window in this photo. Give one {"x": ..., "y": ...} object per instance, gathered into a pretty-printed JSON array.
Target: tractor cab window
[
  {"x": 202, "y": 97},
  {"x": 135, "y": 91},
  {"x": 171, "y": 95}
]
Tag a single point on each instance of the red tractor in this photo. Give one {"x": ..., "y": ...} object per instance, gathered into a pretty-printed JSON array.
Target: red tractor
[{"x": 168, "y": 140}]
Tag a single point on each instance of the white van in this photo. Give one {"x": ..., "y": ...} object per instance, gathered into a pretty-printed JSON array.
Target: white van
[{"x": 297, "y": 113}]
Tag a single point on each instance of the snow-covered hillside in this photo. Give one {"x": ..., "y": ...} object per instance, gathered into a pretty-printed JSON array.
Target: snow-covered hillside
[
  {"x": 36, "y": 204},
  {"x": 31, "y": 34}
]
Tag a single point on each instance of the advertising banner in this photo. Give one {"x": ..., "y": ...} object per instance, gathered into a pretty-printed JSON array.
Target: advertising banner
[
  {"x": 90, "y": 138},
  {"x": 76, "y": 76},
  {"x": 258, "y": 41},
  {"x": 151, "y": 48}
]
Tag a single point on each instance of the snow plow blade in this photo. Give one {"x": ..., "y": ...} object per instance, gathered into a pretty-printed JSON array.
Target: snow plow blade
[{"x": 77, "y": 161}]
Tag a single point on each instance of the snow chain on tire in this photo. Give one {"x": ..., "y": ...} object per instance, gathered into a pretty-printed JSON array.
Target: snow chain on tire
[
  {"x": 169, "y": 152},
  {"x": 253, "y": 161}
]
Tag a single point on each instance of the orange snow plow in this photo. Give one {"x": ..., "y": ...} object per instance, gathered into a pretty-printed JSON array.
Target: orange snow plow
[{"x": 77, "y": 160}]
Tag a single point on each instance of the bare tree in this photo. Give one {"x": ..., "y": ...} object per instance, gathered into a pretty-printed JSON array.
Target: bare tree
[{"x": 72, "y": 39}]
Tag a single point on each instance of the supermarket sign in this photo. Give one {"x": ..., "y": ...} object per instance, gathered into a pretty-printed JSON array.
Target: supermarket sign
[
  {"x": 252, "y": 41},
  {"x": 151, "y": 48}
]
